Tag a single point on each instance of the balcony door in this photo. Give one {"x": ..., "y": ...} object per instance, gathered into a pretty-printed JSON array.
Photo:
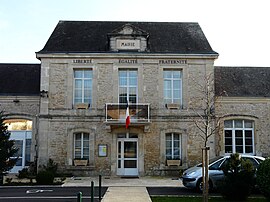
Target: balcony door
[
  {"x": 128, "y": 86},
  {"x": 127, "y": 155}
]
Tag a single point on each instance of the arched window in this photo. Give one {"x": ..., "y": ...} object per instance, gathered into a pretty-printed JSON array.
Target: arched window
[
  {"x": 21, "y": 132},
  {"x": 239, "y": 136}
]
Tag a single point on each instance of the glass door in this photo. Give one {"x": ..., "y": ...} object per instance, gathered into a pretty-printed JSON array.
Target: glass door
[
  {"x": 22, "y": 141},
  {"x": 127, "y": 157}
]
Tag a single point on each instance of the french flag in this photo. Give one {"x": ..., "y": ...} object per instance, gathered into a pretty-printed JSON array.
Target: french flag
[{"x": 127, "y": 116}]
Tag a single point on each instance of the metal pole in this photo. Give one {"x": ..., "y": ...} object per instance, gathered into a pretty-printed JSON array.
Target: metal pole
[
  {"x": 92, "y": 191},
  {"x": 79, "y": 197},
  {"x": 99, "y": 188}
]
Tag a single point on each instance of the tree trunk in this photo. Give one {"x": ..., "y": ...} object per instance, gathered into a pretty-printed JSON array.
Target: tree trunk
[{"x": 205, "y": 173}]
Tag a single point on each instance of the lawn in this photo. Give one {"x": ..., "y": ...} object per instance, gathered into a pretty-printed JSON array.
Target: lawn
[{"x": 198, "y": 199}]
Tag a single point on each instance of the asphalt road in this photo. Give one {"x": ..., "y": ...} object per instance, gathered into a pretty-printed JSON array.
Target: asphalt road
[
  {"x": 69, "y": 194},
  {"x": 48, "y": 193}
]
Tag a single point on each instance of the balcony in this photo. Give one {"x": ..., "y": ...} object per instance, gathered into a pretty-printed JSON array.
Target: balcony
[{"x": 116, "y": 114}]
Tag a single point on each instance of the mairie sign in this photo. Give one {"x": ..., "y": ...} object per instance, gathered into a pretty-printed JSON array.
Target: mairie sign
[{"x": 128, "y": 44}]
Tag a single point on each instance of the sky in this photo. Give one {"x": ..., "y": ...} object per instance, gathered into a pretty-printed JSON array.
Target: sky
[{"x": 239, "y": 30}]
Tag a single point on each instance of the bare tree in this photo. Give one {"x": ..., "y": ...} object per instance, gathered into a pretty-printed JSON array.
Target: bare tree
[{"x": 206, "y": 122}]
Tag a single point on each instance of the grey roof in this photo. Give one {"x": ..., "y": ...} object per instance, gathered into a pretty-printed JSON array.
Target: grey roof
[
  {"x": 19, "y": 79},
  {"x": 242, "y": 81},
  {"x": 92, "y": 37}
]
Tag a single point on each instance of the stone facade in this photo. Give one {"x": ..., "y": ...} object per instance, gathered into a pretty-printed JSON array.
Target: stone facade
[
  {"x": 254, "y": 109},
  {"x": 26, "y": 108},
  {"x": 59, "y": 122}
]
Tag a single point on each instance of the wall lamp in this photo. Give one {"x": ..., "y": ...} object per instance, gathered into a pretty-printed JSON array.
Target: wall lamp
[{"x": 44, "y": 93}]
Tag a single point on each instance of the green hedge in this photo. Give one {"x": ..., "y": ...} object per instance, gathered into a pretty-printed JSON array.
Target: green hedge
[
  {"x": 239, "y": 178},
  {"x": 263, "y": 178}
]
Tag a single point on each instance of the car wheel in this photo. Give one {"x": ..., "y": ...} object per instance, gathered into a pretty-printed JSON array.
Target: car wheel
[{"x": 199, "y": 185}]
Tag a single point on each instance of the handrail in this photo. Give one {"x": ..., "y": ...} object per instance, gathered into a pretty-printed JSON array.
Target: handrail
[{"x": 116, "y": 112}]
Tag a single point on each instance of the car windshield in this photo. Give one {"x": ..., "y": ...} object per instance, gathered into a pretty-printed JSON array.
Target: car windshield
[
  {"x": 259, "y": 160},
  {"x": 211, "y": 160}
]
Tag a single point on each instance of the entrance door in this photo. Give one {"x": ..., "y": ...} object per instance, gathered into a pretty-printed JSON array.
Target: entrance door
[{"x": 127, "y": 157}]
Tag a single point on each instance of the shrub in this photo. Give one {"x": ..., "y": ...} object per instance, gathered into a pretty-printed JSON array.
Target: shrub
[
  {"x": 263, "y": 177},
  {"x": 8, "y": 180},
  {"x": 23, "y": 173},
  {"x": 239, "y": 178},
  {"x": 45, "y": 177},
  {"x": 47, "y": 173},
  {"x": 51, "y": 166},
  {"x": 29, "y": 173}
]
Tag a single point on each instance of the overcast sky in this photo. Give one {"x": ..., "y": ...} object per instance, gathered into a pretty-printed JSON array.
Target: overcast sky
[{"x": 239, "y": 30}]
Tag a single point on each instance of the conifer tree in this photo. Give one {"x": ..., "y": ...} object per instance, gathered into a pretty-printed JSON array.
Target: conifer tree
[{"x": 7, "y": 149}]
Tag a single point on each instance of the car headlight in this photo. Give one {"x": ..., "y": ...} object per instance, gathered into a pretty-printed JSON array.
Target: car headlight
[{"x": 191, "y": 174}]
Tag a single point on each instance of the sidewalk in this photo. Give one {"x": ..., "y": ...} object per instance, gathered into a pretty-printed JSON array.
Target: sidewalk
[
  {"x": 107, "y": 181},
  {"x": 126, "y": 189},
  {"x": 126, "y": 194}
]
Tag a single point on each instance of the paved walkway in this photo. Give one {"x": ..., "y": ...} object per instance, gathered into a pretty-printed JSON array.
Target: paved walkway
[
  {"x": 126, "y": 194},
  {"x": 126, "y": 189}
]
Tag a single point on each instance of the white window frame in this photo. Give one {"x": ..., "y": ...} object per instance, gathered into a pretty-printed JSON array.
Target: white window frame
[
  {"x": 172, "y": 145},
  {"x": 83, "y": 86},
  {"x": 82, "y": 134},
  {"x": 243, "y": 129},
  {"x": 23, "y": 136},
  {"x": 171, "y": 79},
  {"x": 128, "y": 85}
]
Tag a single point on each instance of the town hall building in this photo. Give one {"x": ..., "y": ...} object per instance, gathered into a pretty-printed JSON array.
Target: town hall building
[{"x": 72, "y": 107}]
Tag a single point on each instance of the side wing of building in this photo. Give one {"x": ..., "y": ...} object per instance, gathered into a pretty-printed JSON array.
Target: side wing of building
[
  {"x": 242, "y": 103},
  {"x": 19, "y": 101}
]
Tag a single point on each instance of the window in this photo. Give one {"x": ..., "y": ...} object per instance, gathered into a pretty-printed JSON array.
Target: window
[
  {"x": 172, "y": 86},
  {"x": 24, "y": 150},
  {"x": 239, "y": 136},
  {"x": 83, "y": 86},
  {"x": 81, "y": 145},
  {"x": 21, "y": 132},
  {"x": 173, "y": 143},
  {"x": 128, "y": 86},
  {"x": 217, "y": 164}
]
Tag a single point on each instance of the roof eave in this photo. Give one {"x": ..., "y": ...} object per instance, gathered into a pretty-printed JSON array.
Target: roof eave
[{"x": 40, "y": 55}]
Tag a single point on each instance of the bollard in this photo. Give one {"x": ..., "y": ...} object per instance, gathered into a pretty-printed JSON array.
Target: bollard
[
  {"x": 79, "y": 197},
  {"x": 99, "y": 188},
  {"x": 92, "y": 191}
]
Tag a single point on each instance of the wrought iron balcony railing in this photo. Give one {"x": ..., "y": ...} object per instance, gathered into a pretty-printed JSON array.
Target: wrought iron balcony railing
[{"x": 116, "y": 113}]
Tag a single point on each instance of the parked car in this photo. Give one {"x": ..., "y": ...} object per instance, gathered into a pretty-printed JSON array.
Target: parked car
[{"x": 192, "y": 177}]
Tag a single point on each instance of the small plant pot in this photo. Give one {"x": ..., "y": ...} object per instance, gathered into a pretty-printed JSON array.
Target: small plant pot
[
  {"x": 173, "y": 162},
  {"x": 80, "y": 162}
]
